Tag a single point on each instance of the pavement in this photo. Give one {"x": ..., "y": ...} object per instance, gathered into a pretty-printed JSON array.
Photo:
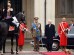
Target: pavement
[{"x": 27, "y": 49}]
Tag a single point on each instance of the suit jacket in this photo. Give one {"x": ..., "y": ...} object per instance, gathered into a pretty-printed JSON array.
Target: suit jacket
[
  {"x": 49, "y": 31},
  {"x": 71, "y": 24}
]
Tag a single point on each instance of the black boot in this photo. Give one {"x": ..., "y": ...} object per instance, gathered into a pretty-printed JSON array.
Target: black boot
[{"x": 12, "y": 50}]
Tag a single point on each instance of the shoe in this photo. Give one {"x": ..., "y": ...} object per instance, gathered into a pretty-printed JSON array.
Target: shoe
[
  {"x": 12, "y": 52},
  {"x": 49, "y": 51},
  {"x": 64, "y": 50},
  {"x": 34, "y": 50},
  {"x": 2, "y": 53},
  {"x": 37, "y": 49},
  {"x": 16, "y": 52},
  {"x": 69, "y": 52}
]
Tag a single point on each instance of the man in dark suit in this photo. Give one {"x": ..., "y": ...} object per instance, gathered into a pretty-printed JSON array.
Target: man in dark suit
[
  {"x": 71, "y": 23},
  {"x": 49, "y": 34}
]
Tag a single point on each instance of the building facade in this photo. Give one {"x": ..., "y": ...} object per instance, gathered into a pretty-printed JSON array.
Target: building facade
[
  {"x": 44, "y": 9},
  {"x": 36, "y": 8}
]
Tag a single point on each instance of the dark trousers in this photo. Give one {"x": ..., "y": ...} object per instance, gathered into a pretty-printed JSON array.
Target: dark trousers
[{"x": 49, "y": 44}]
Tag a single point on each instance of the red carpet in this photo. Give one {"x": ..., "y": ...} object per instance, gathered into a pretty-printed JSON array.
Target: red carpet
[{"x": 54, "y": 53}]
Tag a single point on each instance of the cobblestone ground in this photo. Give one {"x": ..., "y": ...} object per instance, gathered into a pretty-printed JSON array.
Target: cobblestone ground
[{"x": 27, "y": 50}]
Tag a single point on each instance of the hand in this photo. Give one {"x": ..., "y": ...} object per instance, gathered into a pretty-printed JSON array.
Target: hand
[
  {"x": 28, "y": 30},
  {"x": 40, "y": 35},
  {"x": 69, "y": 30},
  {"x": 45, "y": 37},
  {"x": 53, "y": 36}
]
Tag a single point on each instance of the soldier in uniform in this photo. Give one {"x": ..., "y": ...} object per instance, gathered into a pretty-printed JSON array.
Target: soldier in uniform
[{"x": 36, "y": 33}]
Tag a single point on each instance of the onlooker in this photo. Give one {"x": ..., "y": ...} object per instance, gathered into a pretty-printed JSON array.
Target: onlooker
[
  {"x": 71, "y": 26},
  {"x": 49, "y": 34},
  {"x": 36, "y": 33},
  {"x": 71, "y": 23}
]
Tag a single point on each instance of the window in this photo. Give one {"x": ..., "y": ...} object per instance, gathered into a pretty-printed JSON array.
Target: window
[
  {"x": 70, "y": 6},
  {"x": 64, "y": 8}
]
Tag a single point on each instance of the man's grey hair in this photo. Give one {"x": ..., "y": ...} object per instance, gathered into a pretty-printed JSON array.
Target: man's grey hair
[{"x": 49, "y": 20}]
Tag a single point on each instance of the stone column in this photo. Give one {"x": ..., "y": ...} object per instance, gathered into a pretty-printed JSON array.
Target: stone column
[
  {"x": 39, "y": 11},
  {"x": 50, "y": 10},
  {"x": 28, "y": 7}
]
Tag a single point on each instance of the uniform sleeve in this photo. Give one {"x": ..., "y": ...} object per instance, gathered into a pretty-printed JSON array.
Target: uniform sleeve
[
  {"x": 59, "y": 29},
  {"x": 21, "y": 27},
  {"x": 31, "y": 27},
  {"x": 68, "y": 25},
  {"x": 25, "y": 26}
]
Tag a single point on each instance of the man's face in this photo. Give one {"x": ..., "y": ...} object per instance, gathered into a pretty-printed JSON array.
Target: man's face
[
  {"x": 63, "y": 19},
  {"x": 36, "y": 20},
  {"x": 49, "y": 22}
]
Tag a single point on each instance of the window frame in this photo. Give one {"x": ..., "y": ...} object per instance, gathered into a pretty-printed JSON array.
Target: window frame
[{"x": 58, "y": 9}]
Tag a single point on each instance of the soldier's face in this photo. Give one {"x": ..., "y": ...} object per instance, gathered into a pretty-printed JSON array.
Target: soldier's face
[{"x": 36, "y": 21}]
